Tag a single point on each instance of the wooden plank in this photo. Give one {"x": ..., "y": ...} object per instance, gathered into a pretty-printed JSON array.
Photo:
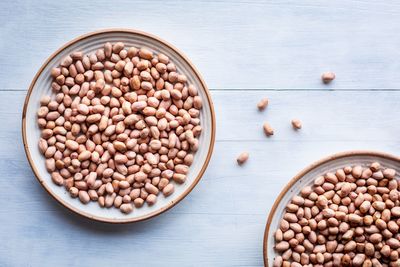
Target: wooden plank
[
  {"x": 221, "y": 222},
  {"x": 243, "y": 44},
  {"x": 327, "y": 115},
  {"x": 237, "y": 45}
]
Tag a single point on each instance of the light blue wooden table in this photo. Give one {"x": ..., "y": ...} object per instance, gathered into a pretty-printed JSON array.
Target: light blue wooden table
[{"x": 245, "y": 50}]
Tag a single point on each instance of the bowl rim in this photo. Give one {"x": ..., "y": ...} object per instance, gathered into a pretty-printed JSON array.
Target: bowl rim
[
  {"x": 172, "y": 203},
  {"x": 303, "y": 172}
]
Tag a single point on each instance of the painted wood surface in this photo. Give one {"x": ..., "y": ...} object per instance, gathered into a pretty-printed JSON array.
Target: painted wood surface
[
  {"x": 245, "y": 50},
  {"x": 235, "y": 44},
  {"x": 221, "y": 222}
]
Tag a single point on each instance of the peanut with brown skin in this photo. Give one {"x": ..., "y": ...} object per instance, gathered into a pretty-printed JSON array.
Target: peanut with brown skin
[
  {"x": 268, "y": 130},
  {"x": 262, "y": 104},
  {"x": 123, "y": 124},
  {"x": 328, "y": 77},
  {"x": 242, "y": 158},
  {"x": 296, "y": 123},
  {"x": 346, "y": 218}
]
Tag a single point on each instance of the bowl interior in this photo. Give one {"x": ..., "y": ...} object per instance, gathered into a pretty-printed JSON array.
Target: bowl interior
[
  {"x": 42, "y": 86},
  {"x": 306, "y": 177}
]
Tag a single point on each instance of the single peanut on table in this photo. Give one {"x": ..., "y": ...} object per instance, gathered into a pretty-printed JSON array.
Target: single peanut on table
[
  {"x": 262, "y": 104},
  {"x": 327, "y": 77},
  {"x": 121, "y": 125},
  {"x": 296, "y": 123},
  {"x": 268, "y": 129},
  {"x": 243, "y": 157}
]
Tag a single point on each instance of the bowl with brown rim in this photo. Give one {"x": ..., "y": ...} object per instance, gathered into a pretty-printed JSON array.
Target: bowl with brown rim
[
  {"x": 41, "y": 85},
  {"x": 306, "y": 177}
]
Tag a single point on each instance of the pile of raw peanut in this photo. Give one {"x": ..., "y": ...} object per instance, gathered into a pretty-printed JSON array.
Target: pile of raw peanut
[
  {"x": 121, "y": 125},
  {"x": 347, "y": 218}
]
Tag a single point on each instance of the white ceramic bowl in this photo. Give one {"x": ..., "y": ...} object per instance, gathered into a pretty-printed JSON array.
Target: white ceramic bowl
[
  {"x": 307, "y": 176},
  {"x": 41, "y": 85}
]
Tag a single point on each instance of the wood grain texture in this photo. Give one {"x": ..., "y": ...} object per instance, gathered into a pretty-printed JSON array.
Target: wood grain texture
[
  {"x": 221, "y": 222},
  {"x": 241, "y": 44},
  {"x": 245, "y": 50},
  {"x": 326, "y": 116}
]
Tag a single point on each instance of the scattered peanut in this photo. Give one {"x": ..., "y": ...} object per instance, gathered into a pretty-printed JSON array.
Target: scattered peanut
[
  {"x": 262, "y": 104},
  {"x": 268, "y": 129},
  {"x": 350, "y": 217},
  {"x": 296, "y": 124},
  {"x": 327, "y": 77},
  {"x": 243, "y": 157},
  {"x": 122, "y": 123}
]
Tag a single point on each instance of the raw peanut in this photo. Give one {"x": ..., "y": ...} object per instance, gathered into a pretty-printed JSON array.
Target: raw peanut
[
  {"x": 124, "y": 185},
  {"x": 327, "y": 77},
  {"x": 118, "y": 202},
  {"x": 85, "y": 155},
  {"x": 66, "y": 61},
  {"x": 120, "y": 146},
  {"x": 393, "y": 243},
  {"x": 367, "y": 173},
  {"x": 43, "y": 145},
  {"x": 179, "y": 178},
  {"x": 73, "y": 191},
  {"x": 349, "y": 217},
  {"x": 122, "y": 124},
  {"x": 197, "y": 102},
  {"x": 84, "y": 196},
  {"x": 278, "y": 261},
  {"x": 181, "y": 169},
  {"x": 77, "y": 55},
  {"x": 358, "y": 260},
  {"x": 381, "y": 224},
  {"x": 282, "y": 246},
  {"x": 377, "y": 175},
  {"x": 365, "y": 206},
  {"x": 151, "y": 189},
  {"x": 147, "y": 86},
  {"x": 354, "y": 218},
  {"x": 138, "y": 202},
  {"x": 357, "y": 171},
  {"x": 395, "y": 211},
  {"x": 296, "y": 124},
  {"x": 93, "y": 195},
  {"x": 55, "y": 72},
  {"x": 126, "y": 208},
  {"x": 331, "y": 178},
  {"x": 72, "y": 145},
  {"x": 117, "y": 47},
  {"x": 108, "y": 50},
  {"x": 145, "y": 53},
  {"x": 393, "y": 227},
  {"x": 389, "y": 173},
  {"x": 168, "y": 190},
  {"x": 151, "y": 199},
  {"x": 91, "y": 179},
  {"x": 378, "y": 205},
  {"x": 101, "y": 201},
  {"x": 262, "y": 104},
  {"x": 93, "y": 118},
  {"x": 109, "y": 200},
  {"x": 242, "y": 158},
  {"x": 57, "y": 178},
  {"x": 268, "y": 129},
  {"x": 298, "y": 200},
  {"x": 375, "y": 166}
]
